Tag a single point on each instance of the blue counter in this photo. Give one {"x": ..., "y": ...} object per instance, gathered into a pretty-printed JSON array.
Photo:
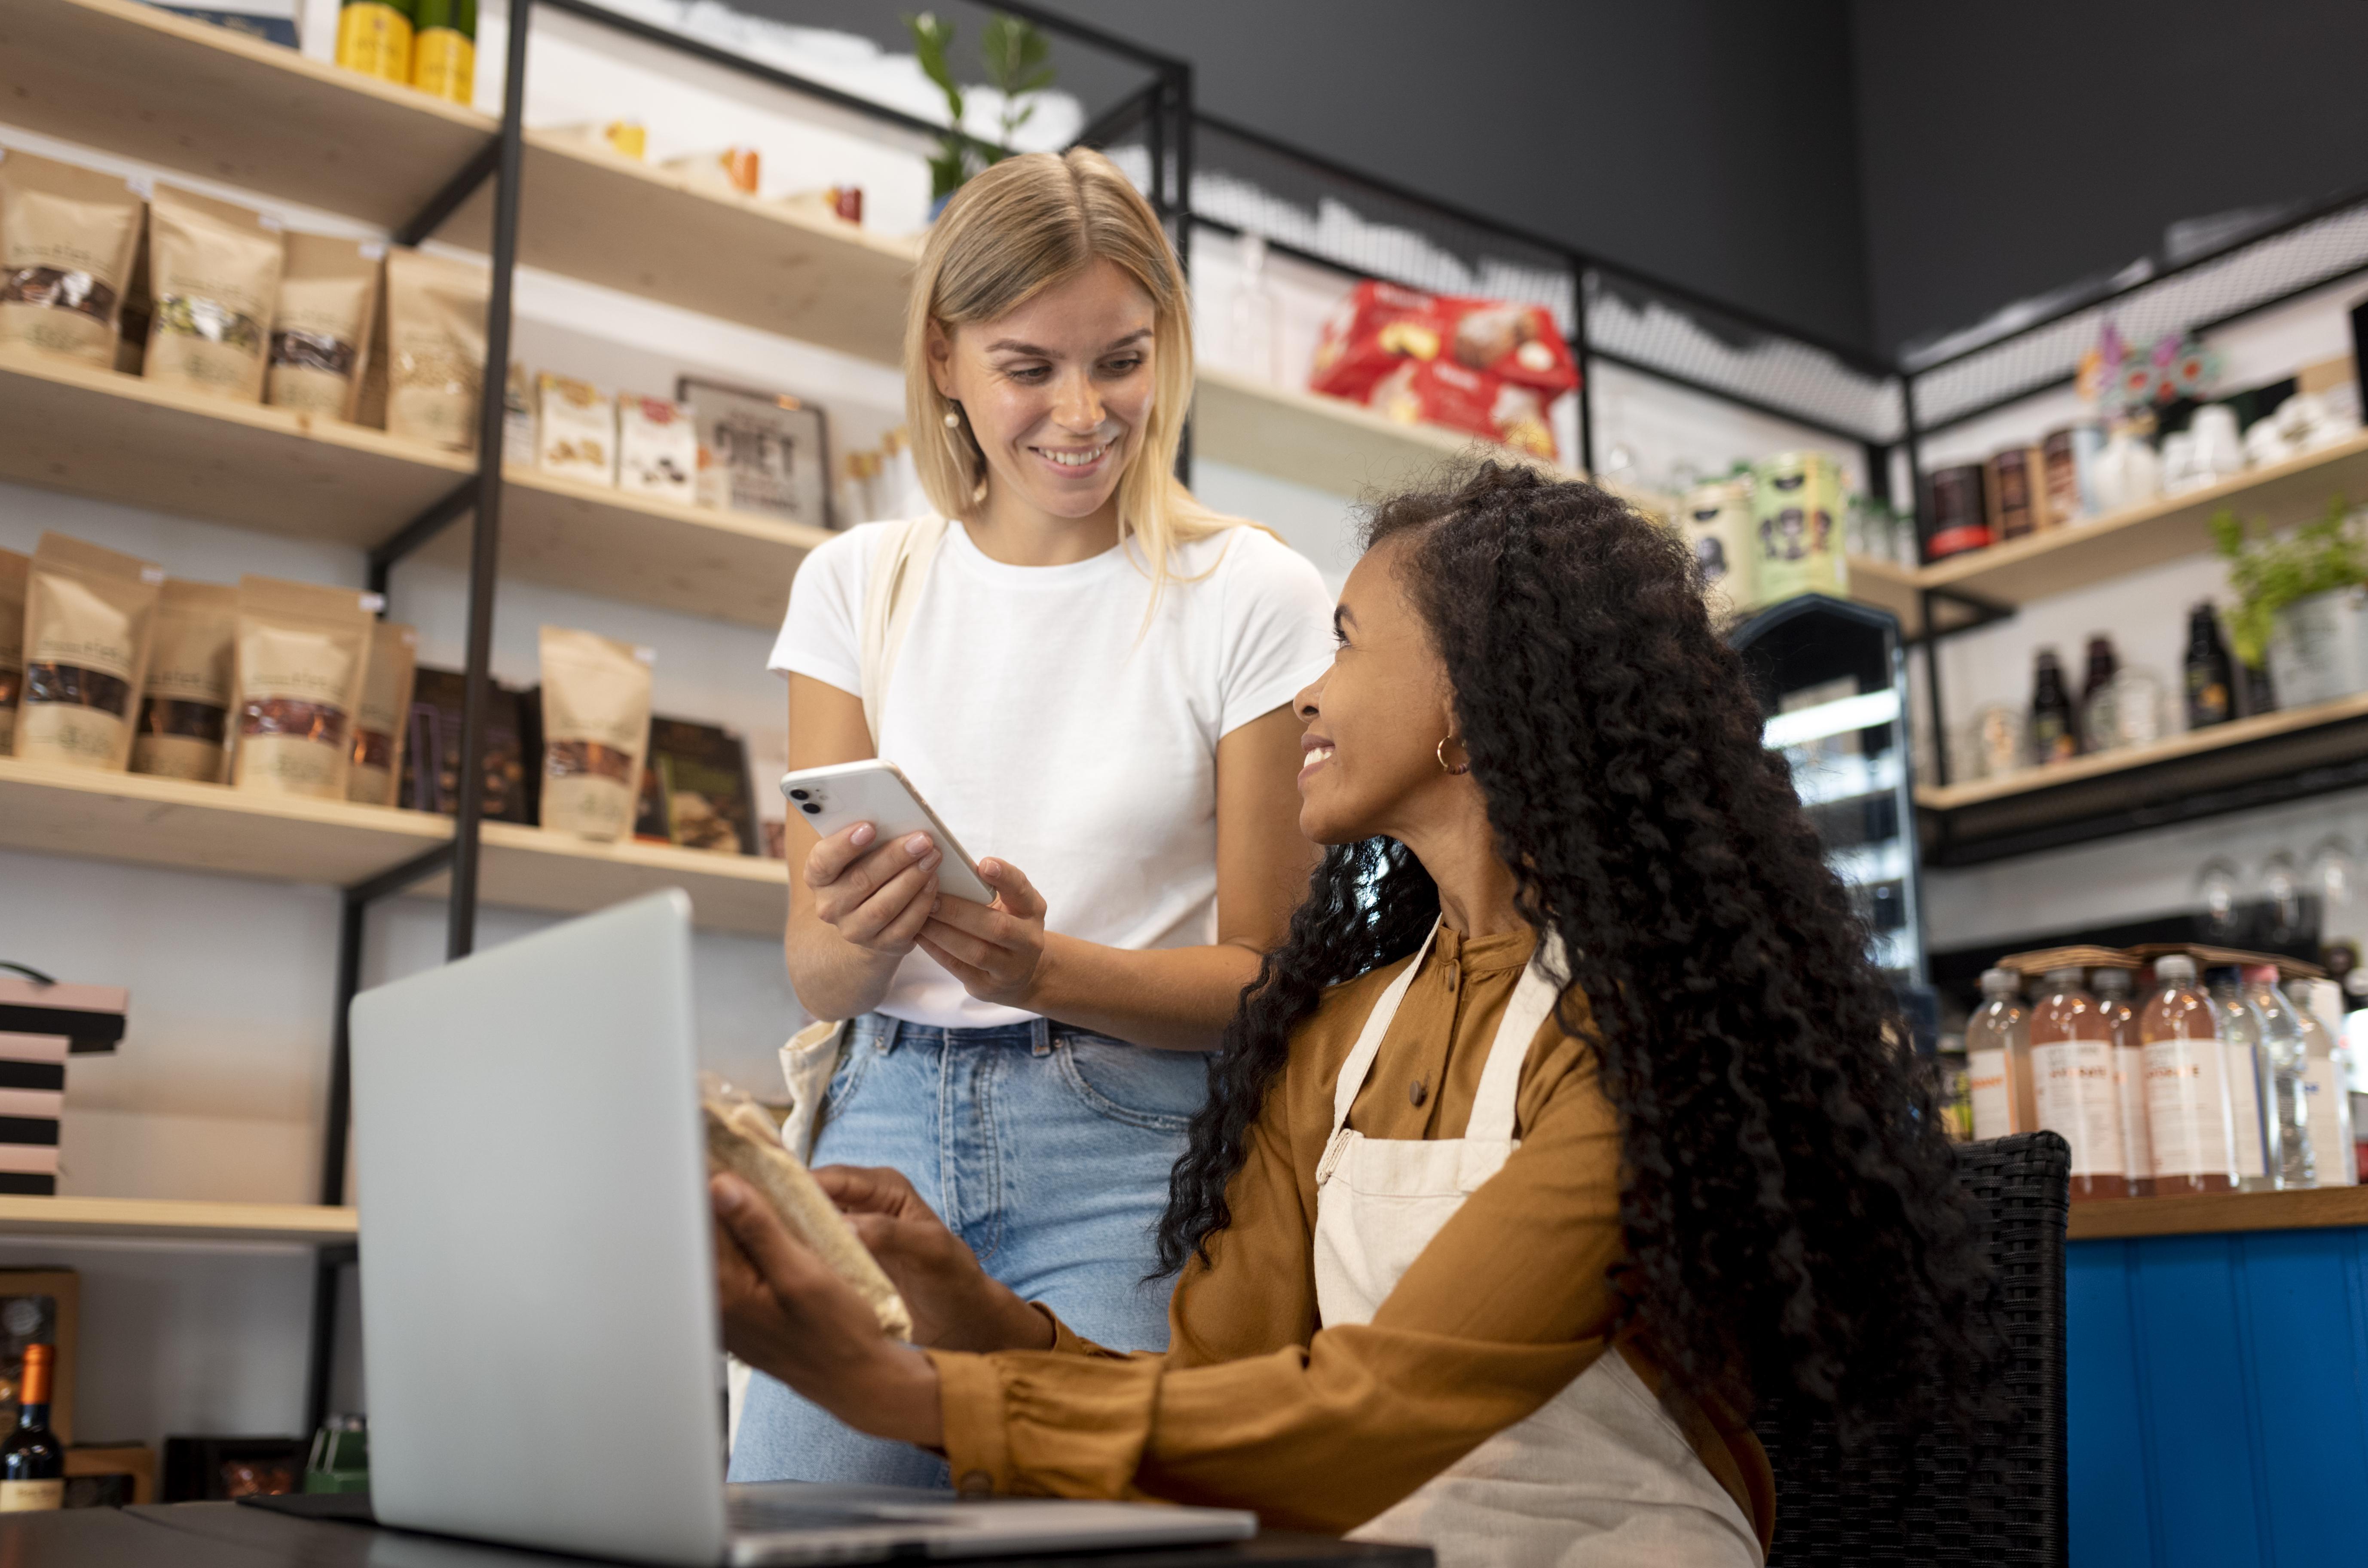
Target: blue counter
[{"x": 2218, "y": 1381}]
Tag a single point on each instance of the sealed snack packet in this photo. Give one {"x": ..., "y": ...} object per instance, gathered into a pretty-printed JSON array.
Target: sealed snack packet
[
  {"x": 186, "y": 701},
  {"x": 89, "y": 616},
  {"x": 743, "y": 1138}
]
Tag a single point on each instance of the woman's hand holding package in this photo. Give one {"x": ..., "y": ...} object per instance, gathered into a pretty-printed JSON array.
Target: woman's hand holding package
[
  {"x": 787, "y": 1314},
  {"x": 877, "y": 898},
  {"x": 956, "y": 1305},
  {"x": 995, "y": 949}
]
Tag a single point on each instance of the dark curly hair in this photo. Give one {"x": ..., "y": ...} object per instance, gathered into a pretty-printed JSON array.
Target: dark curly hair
[{"x": 1789, "y": 1196}]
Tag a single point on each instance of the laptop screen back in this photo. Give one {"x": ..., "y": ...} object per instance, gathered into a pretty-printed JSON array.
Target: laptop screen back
[{"x": 536, "y": 1273}]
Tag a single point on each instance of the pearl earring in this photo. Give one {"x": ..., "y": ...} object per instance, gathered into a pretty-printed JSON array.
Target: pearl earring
[{"x": 954, "y": 419}]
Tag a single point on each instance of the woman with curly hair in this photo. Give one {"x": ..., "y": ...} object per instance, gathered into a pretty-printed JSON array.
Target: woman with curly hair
[{"x": 1569, "y": 1123}]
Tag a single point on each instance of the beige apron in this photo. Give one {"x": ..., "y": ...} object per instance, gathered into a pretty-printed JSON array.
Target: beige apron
[{"x": 1601, "y": 1477}]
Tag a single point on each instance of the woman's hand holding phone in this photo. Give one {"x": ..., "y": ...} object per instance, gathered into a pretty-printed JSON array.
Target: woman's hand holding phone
[
  {"x": 995, "y": 949},
  {"x": 876, "y": 896}
]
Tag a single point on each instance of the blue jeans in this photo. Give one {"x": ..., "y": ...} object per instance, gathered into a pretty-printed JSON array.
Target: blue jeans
[{"x": 1047, "y": 1149}]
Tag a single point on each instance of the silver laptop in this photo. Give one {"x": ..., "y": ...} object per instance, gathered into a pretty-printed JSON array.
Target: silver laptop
[{"x": 539, "y": 1325}]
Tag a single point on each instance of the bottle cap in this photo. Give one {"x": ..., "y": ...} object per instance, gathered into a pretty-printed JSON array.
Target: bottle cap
[
  {"x": 2110, "y": 982},
  {"x": 2069, "y": 975},
  {"x": 2261, "y": 974},
  {"x": 2000, "y": 983},
  {"x": 2175, "y": 968}
]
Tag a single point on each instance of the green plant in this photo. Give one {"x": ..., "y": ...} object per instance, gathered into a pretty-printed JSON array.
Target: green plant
[
  {"x": 1018, "y": 58},
  {"x": 2269, "y": 573}
]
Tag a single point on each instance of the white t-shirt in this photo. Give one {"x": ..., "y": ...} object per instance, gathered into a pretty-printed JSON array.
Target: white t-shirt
[{"x": 1050, "y": 727}]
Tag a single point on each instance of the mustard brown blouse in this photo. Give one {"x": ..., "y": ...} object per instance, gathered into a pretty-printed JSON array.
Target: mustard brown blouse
[{"x": 1256, "y": 1405}]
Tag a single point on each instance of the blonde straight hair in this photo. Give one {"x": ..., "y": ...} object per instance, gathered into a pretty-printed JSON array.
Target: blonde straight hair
[{"x": 1020, "y": 227}]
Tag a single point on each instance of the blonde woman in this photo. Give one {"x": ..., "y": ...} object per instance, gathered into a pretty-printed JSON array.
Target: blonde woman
[{"x": 1091, "y": 686}]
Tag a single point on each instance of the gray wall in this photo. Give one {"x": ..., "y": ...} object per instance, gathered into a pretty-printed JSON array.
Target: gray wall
[
  {"x": 2010, "y": 147},
  {"x": 1709, "y": 143}
]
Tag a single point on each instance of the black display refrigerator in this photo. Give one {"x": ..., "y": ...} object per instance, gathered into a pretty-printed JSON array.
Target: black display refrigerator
[{"x": 1832, "y": 683}]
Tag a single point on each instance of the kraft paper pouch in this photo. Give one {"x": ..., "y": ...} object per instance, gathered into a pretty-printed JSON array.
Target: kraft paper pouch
[
  {"x": 303, "y": 659},
  {"x": 13, "y": 569},
  {"x": 435, "y": 348},
  {"x": 214, "y": 281},
  {"x": 386, "y": 701},
  {"x": 89, "y": 614},
  {"x": 595, "y": 728},
  {"x": 320, "y": 329},
  {"x": 67, "y": 236},
  {"x": 186, "y": 704}
]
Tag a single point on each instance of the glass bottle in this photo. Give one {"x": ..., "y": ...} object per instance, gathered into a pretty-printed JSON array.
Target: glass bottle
[
  {"x": 2326, "y": 1082},
  {"x": 2286, "y": 1112},
  {"x": 2188, "y": 1125},
  {"x": 2112, "y": 992},
  {"x": 2241, "y": 1031},
  {"x": 2210, "y": 679},
  {"x": 2100, "y": 718},
  {"x": 2072, "y": 1081},
  {"x": 1253, "y": 333},
  {"x": 1997, "y": 1059},
  {"x": 2054, "y": 733},
  {"x": 32, "y": 1460}
]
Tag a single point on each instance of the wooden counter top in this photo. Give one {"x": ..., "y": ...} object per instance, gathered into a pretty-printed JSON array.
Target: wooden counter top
[{"x": 2205, "y": 1214}]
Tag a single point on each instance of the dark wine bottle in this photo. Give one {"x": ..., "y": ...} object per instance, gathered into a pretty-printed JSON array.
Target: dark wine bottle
[
  {"x": 2211, "y": 674},
  {"x": 2100, "y": 723},
  {"x": 32, "y": 1460},
  {"x": 2055, "y": 738}
]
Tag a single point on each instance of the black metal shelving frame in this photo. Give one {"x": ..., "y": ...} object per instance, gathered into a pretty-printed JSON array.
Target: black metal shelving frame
[
  {"x": 1161, "y": 109},
  {"x": 1611, "y": 313}
]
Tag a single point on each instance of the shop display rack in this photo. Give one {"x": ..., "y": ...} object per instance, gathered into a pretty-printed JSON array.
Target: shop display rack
[
  {"x": 181, "y": 94},
  {"x": 169, "y": 1220}
]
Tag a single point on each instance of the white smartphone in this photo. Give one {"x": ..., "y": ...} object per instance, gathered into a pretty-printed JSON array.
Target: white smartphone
[{"x": 876, "y": 792}]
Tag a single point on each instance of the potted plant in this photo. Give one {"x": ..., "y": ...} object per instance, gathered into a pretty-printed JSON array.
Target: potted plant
[
  {"x": 2302, "y": 604},
  {"x": 1018, "y": 58}
]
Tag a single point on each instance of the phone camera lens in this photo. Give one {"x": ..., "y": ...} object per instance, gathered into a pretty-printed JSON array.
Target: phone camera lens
[
  {"x": 811, "y": 809},
  {"x": 797, "y": 794}
]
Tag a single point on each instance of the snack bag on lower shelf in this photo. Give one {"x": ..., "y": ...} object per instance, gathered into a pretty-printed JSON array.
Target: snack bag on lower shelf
[
  {"x": 595, "y": 729},
  {"x": 90, "y": 616},
  {"x": 1436, "y": 392},
  {"x": 377, "y": 726},
  {"x": 186, "y": 703},
  {"x": 303, "y": 662}
]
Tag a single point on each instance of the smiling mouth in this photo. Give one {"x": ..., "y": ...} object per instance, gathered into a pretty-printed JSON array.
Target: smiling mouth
[
  {"x": 1074, "y": 456},
  {"x": 1316, "y": 757}
]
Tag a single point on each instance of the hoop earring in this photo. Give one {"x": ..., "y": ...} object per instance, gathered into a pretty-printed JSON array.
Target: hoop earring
[{"x": 1445, "y": 766}]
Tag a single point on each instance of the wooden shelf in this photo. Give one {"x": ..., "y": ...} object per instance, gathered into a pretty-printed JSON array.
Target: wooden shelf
[
  {"x": 2217, "y": 1212},
  {"x": 139, "y": 820},
  {"x": 2083, "y": 554},
  {"x": 97, "y": 432},
  {"x": 112, "y": 1219},
  {"x": 2232, "y": 766},
  {"x": 727, "y": 565},
  {"x": 189, "y": 95},
  {"x": 1326, "y": 443},
  {"x": 94, "y": 432},
  {"x": 627, "y": 225},
  {"x": 145, "y": 821},
  {"x": 1887, "y": 587},
  {"x": 529, "y": 868}
]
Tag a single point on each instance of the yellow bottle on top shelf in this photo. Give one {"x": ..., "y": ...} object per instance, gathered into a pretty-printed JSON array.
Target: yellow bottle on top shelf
[{"x": 374, "y": 38}]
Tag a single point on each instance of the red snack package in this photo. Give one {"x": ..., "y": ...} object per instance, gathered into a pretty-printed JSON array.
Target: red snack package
[
  {"x": 1441, "y": 392},
  {"x": 1517, "y": 342},
  {"x": 1372, "y": 330}
]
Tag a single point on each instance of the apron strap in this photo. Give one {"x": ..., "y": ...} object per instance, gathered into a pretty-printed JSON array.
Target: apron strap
[
  {"x": 1359, "y": 1065},
  {"x": 1500, "y": 1081}
]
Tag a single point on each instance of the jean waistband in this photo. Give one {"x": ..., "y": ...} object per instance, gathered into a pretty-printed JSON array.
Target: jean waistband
[{"x": 1038, "y": 1035}]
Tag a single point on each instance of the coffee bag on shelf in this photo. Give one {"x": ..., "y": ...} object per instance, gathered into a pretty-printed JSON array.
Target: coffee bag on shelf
[
  {"x": 213, "y": 278},
  {"x": 89, "y": 616},
  {"x": 378, "y": 726},
  {"x": 595, "y": 728},
  {"x": 67, "y": 238},
  {"x": 321, "y": 326},
  {"x": 302, "y": 660},
  {"x": 184, "y": 706},
  {"x": 435, "y": 348},
  {"x": 13, "y": 569}
]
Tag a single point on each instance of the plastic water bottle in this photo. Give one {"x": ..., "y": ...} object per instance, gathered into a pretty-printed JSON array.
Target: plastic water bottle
[{"x": 2286, "y": 1115}]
